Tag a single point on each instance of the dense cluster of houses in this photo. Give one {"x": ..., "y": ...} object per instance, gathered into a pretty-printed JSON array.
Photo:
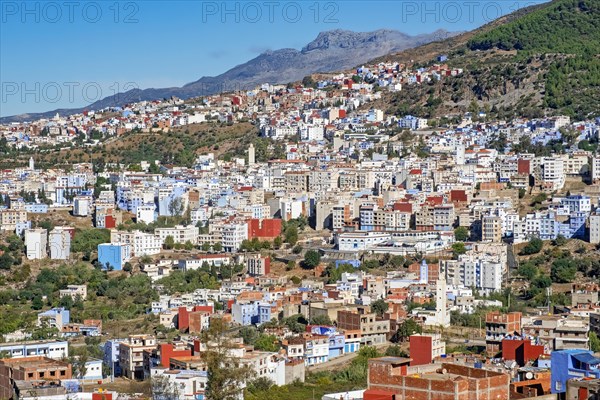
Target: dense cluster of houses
[{"x": 367, "y": 185}]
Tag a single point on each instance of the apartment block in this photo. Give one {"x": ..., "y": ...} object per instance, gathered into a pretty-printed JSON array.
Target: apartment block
[
  {"x": 497, "y": 327},
  {"x": 36, "y": 243}
]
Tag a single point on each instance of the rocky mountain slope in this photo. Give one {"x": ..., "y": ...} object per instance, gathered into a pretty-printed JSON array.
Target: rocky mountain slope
[{"x": 331, "y": 51}]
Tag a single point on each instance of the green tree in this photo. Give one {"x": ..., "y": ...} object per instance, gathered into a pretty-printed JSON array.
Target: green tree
[
  {"x": 461, "y": 234},
  {"x": 539, "y": 199},
  {"x": 175, "y": 207},
  {"x": 291, "y": 235},
  {"x": 249, "y": 334},
  {"x": 87, "y": 240},
  {"x": 395, "y": 351},
  {"x": 528, "y": 271},
  {"x": 218, "y": 247},
  {"x": 563, "y": 270},
  {"x": 226, "y": 375},
  {"x": 405, "y": 329},
  {"x": 458, "y": 248},
  {"x": 560, "y": 240},
  {"x": 127, "y": 267},
  {"x": 594, "y": 342},
  {"x": 379, "y": 307},
  {"x": 169, "y": 242},
  {"x": 322, "y": 319},
  {"x": 277, "y": 242},
  {"x": 37, "y": 303},
  {"x": 312, "y": 259},
  {"x": 534, "y": 246},
  {"x": 6, "y": 261},
  {"x": 397, "y": 261},
  {"x": 266, "y": 343}
]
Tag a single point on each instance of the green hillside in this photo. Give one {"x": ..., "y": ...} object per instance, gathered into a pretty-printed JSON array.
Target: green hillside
[
  {"x": 564, "y": 26},
  {"x": 543, "y": 60},
  {"x": 568, "y": 27}
]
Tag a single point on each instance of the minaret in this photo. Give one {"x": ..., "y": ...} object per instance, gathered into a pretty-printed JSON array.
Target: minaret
[
  {"x": 31, "y": 164},
  {"x": 460, "y": 154},
  {"x": 423, "y": 272},
  {"x": 251, "y": 155},
  {"x": 441, "y": 312}
]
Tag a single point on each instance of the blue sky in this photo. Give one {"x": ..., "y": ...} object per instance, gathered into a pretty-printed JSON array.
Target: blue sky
[{"x": 66, "y": 54}]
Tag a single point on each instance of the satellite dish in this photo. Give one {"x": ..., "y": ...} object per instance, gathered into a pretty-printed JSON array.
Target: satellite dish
[{"x": 529, "y": 375}]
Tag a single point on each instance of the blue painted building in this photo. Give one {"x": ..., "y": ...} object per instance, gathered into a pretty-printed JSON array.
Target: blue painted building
[
  {"x": 573, "y": 228},
  {"x": 336, "y": 339},
  {"x": 54, "y": 318},
  {"x": 113, "y": 255},
  {"x": 36, "y": 208},
  {"x": 571, "y": 364},
  {"x": 163, "y": 202},
  {"x": 111, "y": 355},
  {"x": 20, "y": 227},
  {"x": 251, "y": 313}
]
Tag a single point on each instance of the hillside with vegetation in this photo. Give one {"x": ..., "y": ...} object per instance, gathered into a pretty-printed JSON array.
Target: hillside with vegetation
[
  {"x": 179, "y": 146},
  {"x": 540, "y": 61}
]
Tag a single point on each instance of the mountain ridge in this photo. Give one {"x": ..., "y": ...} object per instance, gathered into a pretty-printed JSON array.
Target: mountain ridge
[{"x": 330, "y": 51}]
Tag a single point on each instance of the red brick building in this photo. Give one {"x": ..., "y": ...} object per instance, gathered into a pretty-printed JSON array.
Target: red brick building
[
  {"x": 521, "y": 351},
  {"x": 166, "y": 351},
  {"x": 184, "y": 318},
  {"x": 424, "y": 349},
  {"x": 264, "y": 228},
  {"x": 497, "y": 327},
  {"x": 523, "y": 167},
  {"x": 28, "y": 369},
  {"x": 389, "y": 376}
]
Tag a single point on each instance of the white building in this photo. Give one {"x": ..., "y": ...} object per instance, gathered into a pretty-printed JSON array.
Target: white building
[
  {"x": 178, "y": 384},
  {"x": 36, "y": 243},
  {"x": 55, "y": 349},
  {"x": 480, "y": 271},
  {"x": 140, "y": 243},
  {"x": 233, "y": 235},
  {"x": 595, "y": 228},
  {"x": 359, "y": 241},
  {"x": 595, "y": 169},
  {"x": 181, "y": 234},
  {"x": 60, "y": 243},
  {"x": 82, "y": 206},
  {"x": 145, "y": 213},
  {"x": 312, "y": 132},
  {"x": 73, "y": 291},
  {"x": 290, "y": 208},
  {"x": 553, "y": 172}
]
